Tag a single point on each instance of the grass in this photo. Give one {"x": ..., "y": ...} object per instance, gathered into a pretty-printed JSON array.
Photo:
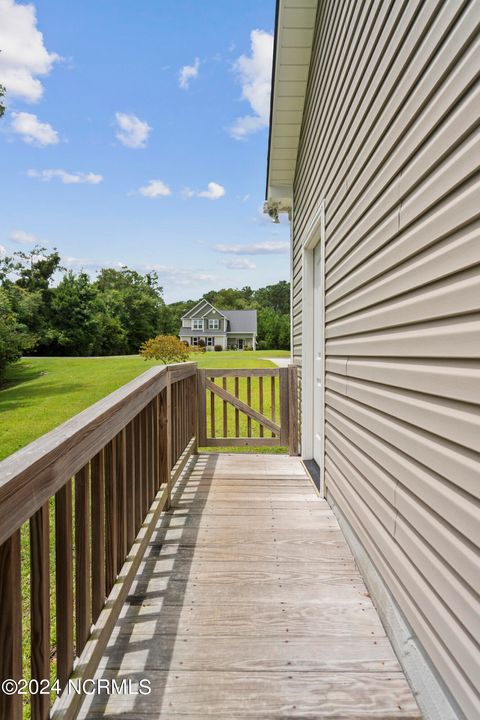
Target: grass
[{"x": 40, "y": 393}]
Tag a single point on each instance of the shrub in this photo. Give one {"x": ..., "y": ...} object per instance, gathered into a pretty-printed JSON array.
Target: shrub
[
  {"x": 201, "y": 343},
  {"x": 247, "y": 347},
  {"x": 218, "y": 348},
  {"x": 166, "y": 348}
]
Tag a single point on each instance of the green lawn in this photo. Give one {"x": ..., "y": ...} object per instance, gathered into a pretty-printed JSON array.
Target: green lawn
[{"x": 40, "y": 393}]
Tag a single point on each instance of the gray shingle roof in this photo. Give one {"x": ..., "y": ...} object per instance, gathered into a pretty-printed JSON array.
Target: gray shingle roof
[{"x": 241, "y": 321}]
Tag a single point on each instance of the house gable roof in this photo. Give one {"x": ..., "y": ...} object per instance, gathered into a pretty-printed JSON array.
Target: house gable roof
[
  {"x": 294, "y": 30},
  {"x": 194, "y": 311},
  {"x": 241, "y": 321}
]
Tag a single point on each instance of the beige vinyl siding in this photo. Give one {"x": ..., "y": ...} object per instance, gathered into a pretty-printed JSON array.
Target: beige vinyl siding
[{"x": 390, "y": 141}]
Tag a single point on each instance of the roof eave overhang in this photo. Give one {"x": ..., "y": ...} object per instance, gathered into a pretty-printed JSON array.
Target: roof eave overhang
[{"x": 294, "y": 29}]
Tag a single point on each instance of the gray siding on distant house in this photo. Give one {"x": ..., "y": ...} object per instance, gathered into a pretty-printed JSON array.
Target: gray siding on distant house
[{"x": 390, "y": 140}]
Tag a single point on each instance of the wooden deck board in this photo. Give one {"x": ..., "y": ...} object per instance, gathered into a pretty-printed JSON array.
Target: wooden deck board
[{"x": 248, "y": 604}]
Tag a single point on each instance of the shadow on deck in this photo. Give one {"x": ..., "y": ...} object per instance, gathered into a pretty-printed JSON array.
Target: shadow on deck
[{"x": 248, "y": 604}]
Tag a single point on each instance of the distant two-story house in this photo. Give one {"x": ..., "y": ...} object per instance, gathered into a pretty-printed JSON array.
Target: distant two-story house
[{"x": 232, "y": 329}]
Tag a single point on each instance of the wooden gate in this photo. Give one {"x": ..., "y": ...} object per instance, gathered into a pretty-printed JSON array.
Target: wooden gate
[{"x": 255, "y": 407}]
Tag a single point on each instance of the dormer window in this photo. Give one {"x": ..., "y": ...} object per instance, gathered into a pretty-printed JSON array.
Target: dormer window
[
  {"x": 213, "y": 324},
  {"x": 197, "y": 324}
]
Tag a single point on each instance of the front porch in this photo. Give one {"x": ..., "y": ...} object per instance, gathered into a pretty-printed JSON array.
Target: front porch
[{"x": 223, "y": 580}]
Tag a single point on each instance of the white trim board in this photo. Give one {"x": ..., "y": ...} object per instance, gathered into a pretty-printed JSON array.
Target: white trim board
[{"x": 314, "y": 234}]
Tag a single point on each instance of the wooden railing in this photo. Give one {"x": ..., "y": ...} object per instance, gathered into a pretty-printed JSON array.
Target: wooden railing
[
  {"x": 89, "y": 494},
  {"x": 248, "y": 407}
]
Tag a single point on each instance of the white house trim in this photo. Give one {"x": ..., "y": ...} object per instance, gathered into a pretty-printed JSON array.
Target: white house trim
[{"x": 314, "y": 234}]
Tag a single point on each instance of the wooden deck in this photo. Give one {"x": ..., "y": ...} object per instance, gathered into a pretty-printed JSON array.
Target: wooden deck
[{"x": 248, "y": 605}]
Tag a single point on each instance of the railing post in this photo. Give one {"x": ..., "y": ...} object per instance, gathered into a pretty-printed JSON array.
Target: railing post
[
  {"x": 169, "y": 440},
  {"x": 292, "y": 410},
  {"x": 284, "y": 406},
  {"x": 201, "y": 409}
]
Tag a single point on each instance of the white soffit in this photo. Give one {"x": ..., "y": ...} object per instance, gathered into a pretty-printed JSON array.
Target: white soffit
[{"x": 293, "y": 48}]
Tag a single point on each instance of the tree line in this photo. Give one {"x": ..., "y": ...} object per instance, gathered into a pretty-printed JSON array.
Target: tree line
[{"x": 47, "y": 310}]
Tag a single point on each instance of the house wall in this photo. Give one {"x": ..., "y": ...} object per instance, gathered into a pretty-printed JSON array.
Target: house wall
[{"x": 390, "y": 141}]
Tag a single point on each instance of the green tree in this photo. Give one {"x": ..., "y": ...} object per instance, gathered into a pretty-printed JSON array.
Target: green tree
[
  {"x": 78, "y": 316},
  {"x": 275, "y": 296},
  {"x": 15, "y": 337},
  {"x": 34, "y": 272},
  {"x": 136, "y": 302}
]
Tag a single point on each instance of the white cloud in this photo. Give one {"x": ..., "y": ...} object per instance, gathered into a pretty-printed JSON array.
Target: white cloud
[
  {"x": 267, "y": 247},
  {"x": 182, "y": 277},
  {"x": 214, "y": 192},
  {"x": 187, "y": 73},
  {"x": 90, "y": 264},
  {"x": 155, "y": 188},
  {"x": 20, "y": 237},
  {"x": 254, "y": 73},
  {"x": 32, "y": 131},
  {"x": 67, "y": 178},
  {"x": 132, "y": 131},
  {"x": 240, "y": 264},
  {"x": 24, "y": 55}
]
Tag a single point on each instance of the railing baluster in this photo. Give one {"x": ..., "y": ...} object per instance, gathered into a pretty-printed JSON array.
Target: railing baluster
[
  {"x": 64, "y": 582},
  {"x": 11, "y": 624},
  {"x": 272, "y": 400},
  {"x": 237, "y": 413},
  {"x": 249, "y": 402},
  {"x": 111, "y": 549},
  {"x": 97, "y": 490},
  {"x": 82, "y": 559},
  {"x": 156, "y": 442},
  {"x": 260, "y": 398},
  {"x": 144, "y": 461},
  {"x": 138, "y": 475},
  {"x": 121, "y": 499},
  {"x": 40, "y": 608},
  {"x": 225, "y": 413},
  {"x": 212, "y": 413},
  {"x": 151, "y": 455},
  {"x": 162, "y": 436},
  {"x": 130, "y": 481}
]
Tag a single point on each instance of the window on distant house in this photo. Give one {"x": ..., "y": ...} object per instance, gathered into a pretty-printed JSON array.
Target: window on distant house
[
  {"x": 197, "y": 324},
  {"x": 213, "y": 324},
  {"x": 194, "y": 340},
  {"x": 210, "y": 341}
]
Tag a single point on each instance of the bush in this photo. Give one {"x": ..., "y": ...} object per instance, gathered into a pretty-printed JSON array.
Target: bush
[
  {"x": 166, "y": 348},
  {"x": 218, "y": 348},
  {"x": 247, "y": 347},
  {"x": 201, "y": 343}
]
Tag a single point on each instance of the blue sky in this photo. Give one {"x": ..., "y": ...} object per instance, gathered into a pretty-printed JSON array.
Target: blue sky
[{"x": 136, "y": 133}]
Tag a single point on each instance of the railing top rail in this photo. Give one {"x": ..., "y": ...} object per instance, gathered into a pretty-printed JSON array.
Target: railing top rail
[
  {"x": 242, "y": 372},
  {"x": 29, "y": 477}
]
